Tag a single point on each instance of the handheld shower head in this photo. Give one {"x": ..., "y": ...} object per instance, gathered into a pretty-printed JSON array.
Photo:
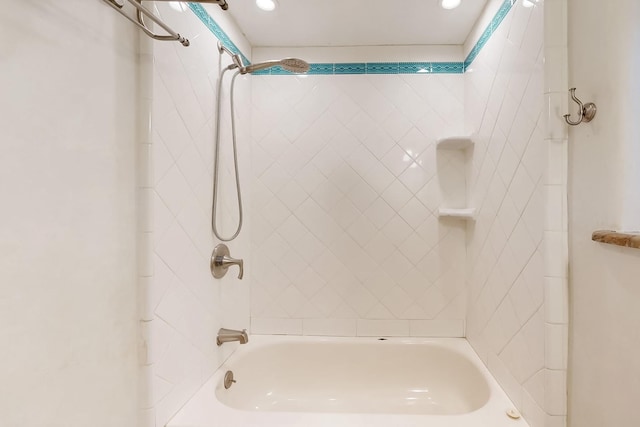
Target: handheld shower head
[{"x": 293, "y": 65}]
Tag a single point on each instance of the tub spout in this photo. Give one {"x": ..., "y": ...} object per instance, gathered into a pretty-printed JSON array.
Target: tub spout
[{"x": 229, "y": 335}]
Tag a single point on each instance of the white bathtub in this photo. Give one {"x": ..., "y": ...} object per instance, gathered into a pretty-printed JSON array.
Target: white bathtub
[{"x": 354, "y": 382}]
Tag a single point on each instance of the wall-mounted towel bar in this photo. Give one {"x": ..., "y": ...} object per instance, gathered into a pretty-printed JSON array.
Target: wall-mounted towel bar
[
  {"x": 142, "y": 11},
  {"x": 222, "y": 3},
  {"x": 139, "y": 22}
]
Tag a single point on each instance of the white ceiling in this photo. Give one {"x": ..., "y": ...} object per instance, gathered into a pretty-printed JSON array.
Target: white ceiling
[{"x": 355, "y": 22}]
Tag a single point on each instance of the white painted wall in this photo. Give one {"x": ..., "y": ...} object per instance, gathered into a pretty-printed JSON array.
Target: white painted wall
[
  {"x": 604, "y": 47},
  {"x": 183, "y": 305},
  {"x": 67, "y": 223},
  {"x": 346, "y": 186}
]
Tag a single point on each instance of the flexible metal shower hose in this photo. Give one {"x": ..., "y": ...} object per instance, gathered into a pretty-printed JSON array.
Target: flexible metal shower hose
[{"x": 217, "y": 159}]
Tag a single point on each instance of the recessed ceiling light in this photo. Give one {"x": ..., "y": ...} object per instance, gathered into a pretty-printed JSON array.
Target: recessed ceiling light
[
  {"x": 449, "y": 4},
  {"x": 267, "y": 5}
]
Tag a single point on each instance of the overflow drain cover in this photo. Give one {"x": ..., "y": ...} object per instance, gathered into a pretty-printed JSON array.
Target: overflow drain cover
[
  {"x": 228, "y": 379},
  {"x": 513, "y": 414}
]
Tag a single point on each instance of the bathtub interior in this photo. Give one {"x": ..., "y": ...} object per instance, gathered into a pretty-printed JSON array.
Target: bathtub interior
[
  {"x": 302, "y": 374},
  {"x": 347, "y": 377}
]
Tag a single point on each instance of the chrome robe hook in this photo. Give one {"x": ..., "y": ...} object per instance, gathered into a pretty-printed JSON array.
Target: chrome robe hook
[{"x": 586, "y": 112}]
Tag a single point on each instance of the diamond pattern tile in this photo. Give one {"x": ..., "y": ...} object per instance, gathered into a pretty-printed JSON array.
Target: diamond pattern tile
[
  {"x": 188, "y": 305},
  {"x": 362, "y": 195},
  {"x": 504, "y": 274},
  {"x": 379, "y": 177},
  {"x": 396, "y": 195},
  {"x": 327, "y": 196},
  {"x": 397, "y": 230},
  {"x": 397, "y": 160},
  {"x": 346, "y": 167},
  {"x": 379, "y": 213}
]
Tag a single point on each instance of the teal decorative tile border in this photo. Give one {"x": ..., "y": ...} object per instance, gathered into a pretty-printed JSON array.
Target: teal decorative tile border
[
  {"x": 368, "y": 67},
  {"x": 350, "y": 68},
  {"x": 321, "y": 69},
  {"x": 374, "y": 68},
  {"x": 213, "y": 26},
  {"x": 488, "y": 32},
  {"x": 383, "y": 67}
]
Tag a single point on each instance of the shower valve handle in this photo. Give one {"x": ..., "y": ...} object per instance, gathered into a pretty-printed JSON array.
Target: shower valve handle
[{"x": 221, "y": 261}]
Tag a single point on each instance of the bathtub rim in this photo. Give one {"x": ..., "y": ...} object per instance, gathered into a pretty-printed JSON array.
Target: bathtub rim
[{"x": 205, "y": 410}]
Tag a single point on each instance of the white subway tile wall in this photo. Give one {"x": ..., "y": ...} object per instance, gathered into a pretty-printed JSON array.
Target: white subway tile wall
[
  {"x": 506, "y": 269},
  {"x": 184, "y": 306},
  {"x": 556, "y": 216},
  {"x": 346, "y": 187}
]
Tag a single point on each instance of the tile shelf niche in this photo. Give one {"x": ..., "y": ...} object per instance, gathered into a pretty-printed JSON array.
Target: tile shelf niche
[
  {"x": 464, "y": 213},
  {"x": 460, "y": 144},
  {"x": 455, "y": 143}
]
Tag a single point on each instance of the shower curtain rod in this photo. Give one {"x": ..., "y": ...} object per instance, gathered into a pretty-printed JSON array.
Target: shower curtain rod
[{"x": 142, "y": 11}]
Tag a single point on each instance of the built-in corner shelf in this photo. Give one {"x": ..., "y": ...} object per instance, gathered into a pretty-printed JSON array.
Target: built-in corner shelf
[
  {"x": 629, "y": 240},
  {"x": 455, "y": 142},
  {"x": 455, "y": 189},
  {"x": 462, "y": 213}
]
